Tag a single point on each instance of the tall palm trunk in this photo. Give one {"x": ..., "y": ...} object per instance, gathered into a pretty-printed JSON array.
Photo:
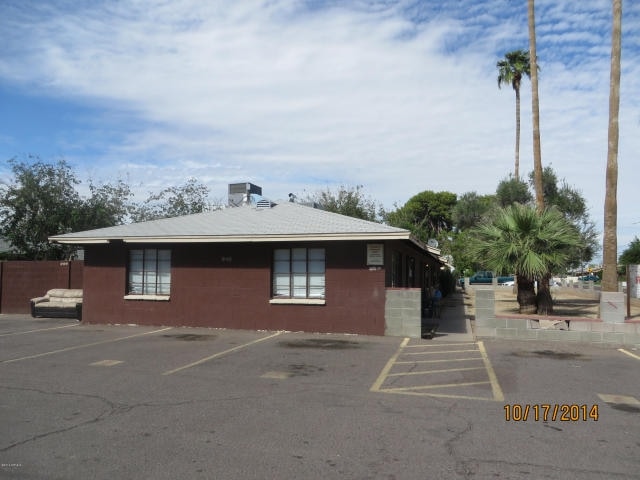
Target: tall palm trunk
[
  {"x": 535, "y": 109},
  {"x": 517, "y": 166},
  {"x": 544, "y": 300},
  {"x": 610, "y": 238}
]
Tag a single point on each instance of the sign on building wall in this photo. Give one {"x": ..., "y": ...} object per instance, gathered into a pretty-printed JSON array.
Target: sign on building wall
[
  {"x": 634, "y": 279},
  {"x": 375, "y": 254}
]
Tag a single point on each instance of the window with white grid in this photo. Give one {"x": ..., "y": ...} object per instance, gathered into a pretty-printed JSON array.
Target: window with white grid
[
  {"x": 149, "y": 272},
  {"x": 299, "y": 273}
]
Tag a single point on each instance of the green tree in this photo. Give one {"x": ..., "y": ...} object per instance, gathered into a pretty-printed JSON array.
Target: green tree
[
  {"x": 186, "y": 199},
  {"x": 108, "y": 205},
  {"x": 512, "y": 190},
  {"x": 529, "y": 243},
  {"x": 464, "y": 260},
  {"x": 470, "y": 209},
  {"x": 610, "y": 237},
  {"x": 589, "y": 246},
  {"x": 347, "y": 200},
  {"x": 631, "y": 254},
  {"x": 573, "y": 206},
  {"x": 427, "y": 214},
  {"x": 568, "y": 200},
  {"x": 558, "y": 192},
  {"x": 510, "y": 71},
  {"x": 41, "y": 201}
]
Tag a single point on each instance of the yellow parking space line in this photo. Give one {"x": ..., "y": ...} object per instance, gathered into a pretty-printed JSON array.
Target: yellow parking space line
[
  {"x": 426, "y": 372},
  {"x": 85, "y": 345},
  {"x": 429, "y": 387},
  {"x": 632, "y": 355},
  {"x": 439, "y": 352},
  {"x": 387, "y": 368},
  {"x": 442, "y": 395},
  {"x": 430, "y": 390},
  {"x": 498, "y": 396},
  {"x": 220, "y": 354},
  {"x": 440, "y": 361},
  {"x": 39, "y": 330}
]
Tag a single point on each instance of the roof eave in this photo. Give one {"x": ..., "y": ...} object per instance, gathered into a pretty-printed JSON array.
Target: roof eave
[
  {"x": 234, "y": 238},
  {"x": 79, "y": 241},
  {"x": 434, "y": 252}
]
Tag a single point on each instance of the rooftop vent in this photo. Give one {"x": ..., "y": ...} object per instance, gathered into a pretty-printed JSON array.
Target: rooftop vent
[
  {"x": 264, "y": 203},
  {"x": 239, "y": 193}
]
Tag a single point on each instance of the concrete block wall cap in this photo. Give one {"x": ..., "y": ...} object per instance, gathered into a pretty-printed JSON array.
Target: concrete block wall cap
[
  {"x": 517, "y": 323},
  {"x": 581, "y": 326},
  {"x": 516, "y": 316}
]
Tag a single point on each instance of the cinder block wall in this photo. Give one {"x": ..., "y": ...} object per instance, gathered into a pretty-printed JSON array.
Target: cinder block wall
[
  {"x": 403, "y": 312},
  {"x": 568, "y": 329},
  {"x": 485, "y": 321}
]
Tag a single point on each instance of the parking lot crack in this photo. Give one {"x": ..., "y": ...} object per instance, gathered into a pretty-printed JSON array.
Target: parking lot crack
[
  {"x": 550, "y": 471},
  {"x": 111, "y": 407},
  {"x": 465, "y": 467}
]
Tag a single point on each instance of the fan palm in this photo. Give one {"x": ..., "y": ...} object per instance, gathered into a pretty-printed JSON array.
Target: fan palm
[
  {"x": 510, "y": 71},
  {"x": 521, "y": 240}
]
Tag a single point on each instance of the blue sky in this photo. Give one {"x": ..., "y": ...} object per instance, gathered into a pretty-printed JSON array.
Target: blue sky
[{"x": 297, "y": 96}]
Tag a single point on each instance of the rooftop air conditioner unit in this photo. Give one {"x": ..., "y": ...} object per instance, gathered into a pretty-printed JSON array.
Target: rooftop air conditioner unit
[{"x": 239, "y": 193}]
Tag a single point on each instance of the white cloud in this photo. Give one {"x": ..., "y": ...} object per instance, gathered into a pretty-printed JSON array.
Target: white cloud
[{"x": 400, "y": 98}]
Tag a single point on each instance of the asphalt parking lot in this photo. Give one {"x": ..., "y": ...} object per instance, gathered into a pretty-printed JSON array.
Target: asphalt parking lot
[{"x": 101, "y": 401}]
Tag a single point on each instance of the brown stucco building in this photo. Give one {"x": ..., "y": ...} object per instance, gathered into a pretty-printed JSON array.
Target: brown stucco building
[{"x": 271, "y": 266}]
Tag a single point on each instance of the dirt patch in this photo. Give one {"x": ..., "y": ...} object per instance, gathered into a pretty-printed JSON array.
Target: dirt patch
[
  {"x": 549, "y": 354},
  {"x": 583, "y": 307},
  {"x": 190, "y": 337},
  {"x": 567, "y": 302},
  {"x": 303, "y": 370}
]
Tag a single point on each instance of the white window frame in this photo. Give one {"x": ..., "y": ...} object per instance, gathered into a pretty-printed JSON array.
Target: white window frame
[
  {"x": 299, "y": 275},
  {"x": 149, "y": 274}
]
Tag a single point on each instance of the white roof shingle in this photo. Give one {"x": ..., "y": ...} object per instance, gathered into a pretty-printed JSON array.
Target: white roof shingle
[{"x": 281, "y": 221}]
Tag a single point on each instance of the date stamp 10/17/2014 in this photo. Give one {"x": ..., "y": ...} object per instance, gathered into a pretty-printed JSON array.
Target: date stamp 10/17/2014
[{"x": 545, "y": 412}]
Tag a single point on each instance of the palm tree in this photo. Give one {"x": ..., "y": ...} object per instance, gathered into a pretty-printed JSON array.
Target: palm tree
[
  {"x": 529, "y": 243},
  {"x": 610, "y": 238},
  {"x": 535, "y": 109},
  {"x": 510, "y": 71}
]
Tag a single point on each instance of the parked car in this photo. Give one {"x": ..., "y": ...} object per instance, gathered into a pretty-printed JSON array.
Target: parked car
[
  {"x": 486, "y": 277},
  {"x": 589, "y": 278}
]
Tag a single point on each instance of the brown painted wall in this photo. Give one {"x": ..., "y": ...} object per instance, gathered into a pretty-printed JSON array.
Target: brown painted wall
[
  {"x": 427, "y": 269},
  {"x": 24, "y": 280},
  {"x": 76, "y": 274},
  {"x": 229, "y": 285}
]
